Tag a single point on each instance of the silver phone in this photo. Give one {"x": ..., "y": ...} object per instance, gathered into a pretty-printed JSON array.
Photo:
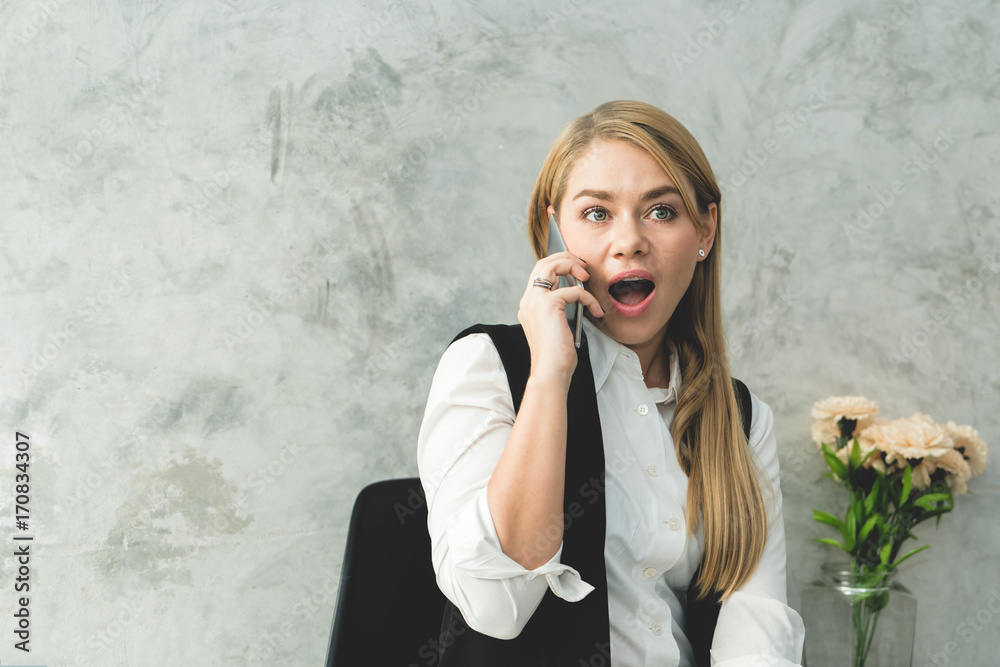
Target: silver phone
[{"x": 574, "y": 311}]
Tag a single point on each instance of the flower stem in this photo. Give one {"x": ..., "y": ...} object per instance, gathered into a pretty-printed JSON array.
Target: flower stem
[{"x": 865, "y": 616}]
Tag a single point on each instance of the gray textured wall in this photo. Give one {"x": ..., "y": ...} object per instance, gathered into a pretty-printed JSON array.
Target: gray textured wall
[{"x": 237, "y": 235}]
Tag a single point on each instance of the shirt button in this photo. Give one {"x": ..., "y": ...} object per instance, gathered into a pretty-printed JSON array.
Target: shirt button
[
  {"x": 673, "y": 524},
  {"x": 649, "y": 572},
  {"x": 643, "y": 410},
  {"x": 657, "y": 629},
  {"x": 653, "y": 472}
]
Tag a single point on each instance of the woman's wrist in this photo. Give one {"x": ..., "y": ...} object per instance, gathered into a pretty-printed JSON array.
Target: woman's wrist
[{"x": 549, "y": 381}]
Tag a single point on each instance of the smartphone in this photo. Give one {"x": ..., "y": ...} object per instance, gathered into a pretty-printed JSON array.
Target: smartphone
[{"x": 574, "y": 311}]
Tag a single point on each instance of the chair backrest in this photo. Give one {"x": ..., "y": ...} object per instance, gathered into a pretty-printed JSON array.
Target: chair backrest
[{"x": 389, "y": 606}]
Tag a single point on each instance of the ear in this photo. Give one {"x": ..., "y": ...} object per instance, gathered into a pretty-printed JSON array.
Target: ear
[
  {"x": 708, "y": 237},
  {"x": 550, "y": 210}
]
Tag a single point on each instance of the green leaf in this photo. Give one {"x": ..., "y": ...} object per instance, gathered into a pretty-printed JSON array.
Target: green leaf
[
  {"x": 928, "y": 501},
  {"x": 836, "y": 466},
  {"x": 855, "y": 456},
  {"x": 858, "y": 505},
  {"x": 851, "y": 529},
  {"x": 867, "y": 528},
  {"x": 872, "y": 497},
  {"x": 828, "y": 519},
  {"x": 907, "y": 484},
  {"x": 884, "y": 554},
  {"x": 832, "y": 542},
  {"x": 924, "y": 516},
  {"x": 915, "y": 551}
]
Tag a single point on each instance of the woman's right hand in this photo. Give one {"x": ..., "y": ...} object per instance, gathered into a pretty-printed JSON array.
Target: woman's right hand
[
  {"x": 527, "y": 509},
  {"x": 542, "y": 314}
]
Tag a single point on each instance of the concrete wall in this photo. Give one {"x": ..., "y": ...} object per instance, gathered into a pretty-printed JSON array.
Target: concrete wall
[{"x": 237, "y": 235}]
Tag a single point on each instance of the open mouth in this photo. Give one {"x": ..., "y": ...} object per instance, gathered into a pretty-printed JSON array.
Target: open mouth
[{"x": 631, "y": 291}]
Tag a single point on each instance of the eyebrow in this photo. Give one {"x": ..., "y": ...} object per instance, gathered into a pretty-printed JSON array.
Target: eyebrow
[{"x": 607, "y": 196}]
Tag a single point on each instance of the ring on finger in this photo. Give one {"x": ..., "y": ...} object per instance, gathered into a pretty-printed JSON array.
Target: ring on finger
[{"x": 542, "y": 282}]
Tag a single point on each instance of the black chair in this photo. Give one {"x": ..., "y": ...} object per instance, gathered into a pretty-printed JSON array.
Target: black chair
[{"x": 389, "y": 606}]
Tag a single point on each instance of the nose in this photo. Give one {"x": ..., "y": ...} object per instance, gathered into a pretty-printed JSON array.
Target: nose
[{"x": 629, "y": 237}]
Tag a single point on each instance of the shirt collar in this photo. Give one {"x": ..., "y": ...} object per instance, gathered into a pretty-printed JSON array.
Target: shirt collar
[{"x": 604, "y": 352}]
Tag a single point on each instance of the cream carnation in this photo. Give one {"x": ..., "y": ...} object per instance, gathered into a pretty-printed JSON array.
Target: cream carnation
[
  {"x": 866, "y": 445},
  {"x": 973, "y": 448},
  {"x": 851, "y": 407},
  {"x": 829, "y": 411},
  {"x": 825, "y": 431},
  {"x": 922, "y": 475},
  {"x": 958, "y": 485},
  {"x": 913, "y": 438},
  {"x": 958, "y": 470}
]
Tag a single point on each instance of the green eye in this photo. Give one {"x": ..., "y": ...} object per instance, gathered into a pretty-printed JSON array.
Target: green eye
[
  {"x": 600, "y": 215},
  {"x": 663, "y": 213}
]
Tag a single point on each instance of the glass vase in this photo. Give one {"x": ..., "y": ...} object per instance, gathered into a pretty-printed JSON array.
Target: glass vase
[{"x": 858, "y": 620}]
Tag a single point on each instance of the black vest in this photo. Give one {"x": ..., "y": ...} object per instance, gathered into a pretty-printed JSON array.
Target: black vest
[{"x": 561, "y": 633}]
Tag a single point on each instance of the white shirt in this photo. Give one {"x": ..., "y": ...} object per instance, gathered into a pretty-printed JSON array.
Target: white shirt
[{"x": 649, "y": 556}]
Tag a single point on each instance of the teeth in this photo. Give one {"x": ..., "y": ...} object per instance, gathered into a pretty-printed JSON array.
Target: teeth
[{"x": 631, "y": 280}]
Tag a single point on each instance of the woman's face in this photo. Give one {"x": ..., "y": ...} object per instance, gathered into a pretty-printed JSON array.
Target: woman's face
[{"x": 624, "y": 216}]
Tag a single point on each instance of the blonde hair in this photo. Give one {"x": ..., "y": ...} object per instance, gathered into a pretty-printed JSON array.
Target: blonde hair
[{"x": 707, "y": 428}]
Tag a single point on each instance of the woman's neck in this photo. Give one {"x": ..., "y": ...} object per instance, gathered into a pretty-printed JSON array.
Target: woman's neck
[
  {"x": 657, "y": 374},
  {"x": 654, "y": 361}
]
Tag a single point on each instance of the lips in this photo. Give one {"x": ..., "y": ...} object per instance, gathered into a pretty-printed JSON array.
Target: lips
[{"x": 631, "y": 291}]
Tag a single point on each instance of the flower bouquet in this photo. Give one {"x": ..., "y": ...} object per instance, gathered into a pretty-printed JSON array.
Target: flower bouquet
[{"x": 897, "y": 474}]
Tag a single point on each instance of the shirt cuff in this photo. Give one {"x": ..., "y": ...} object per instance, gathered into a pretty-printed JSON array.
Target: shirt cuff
[
  {"x": 754, "y": 630},
  {"x": 756, "y": 660},
  {"x": 476, "y": 550}
]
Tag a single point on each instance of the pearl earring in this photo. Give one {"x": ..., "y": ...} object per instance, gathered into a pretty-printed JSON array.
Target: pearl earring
[{"x": 701, "y": 251}]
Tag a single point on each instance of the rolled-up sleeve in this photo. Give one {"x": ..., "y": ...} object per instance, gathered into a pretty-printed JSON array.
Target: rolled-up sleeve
[
  {"x": 756, "y": 626},
  {"x": 467, "y": 421}
]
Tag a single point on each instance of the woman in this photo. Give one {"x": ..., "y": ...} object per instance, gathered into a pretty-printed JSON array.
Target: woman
[{"x": 534, "y": 455}]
